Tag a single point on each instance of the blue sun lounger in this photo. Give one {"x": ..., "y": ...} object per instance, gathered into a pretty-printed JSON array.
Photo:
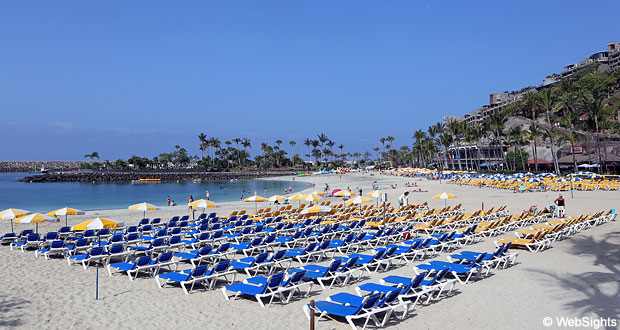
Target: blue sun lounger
[
  {"x": 132, "y": 268},
  {"x": 348, "y": 306},
  {"x": 259, "y": 287},
  {"x": 56, "y": 247},
  {"x": 187, "y": 279},
  {"x": 96, "y": 254}
]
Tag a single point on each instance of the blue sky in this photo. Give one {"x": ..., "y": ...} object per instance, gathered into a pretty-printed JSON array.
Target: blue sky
[{"x": 138, "y": 77}]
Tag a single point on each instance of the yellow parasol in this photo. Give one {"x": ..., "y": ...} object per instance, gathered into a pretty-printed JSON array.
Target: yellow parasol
[
  {"x": 10, "y": 214},
  {"x": 65, "y": 211}
]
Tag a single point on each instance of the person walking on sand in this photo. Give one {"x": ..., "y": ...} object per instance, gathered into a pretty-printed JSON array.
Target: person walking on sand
[
  {"x": 168, "y": 200},
  {"x": 208, "y": 195},
  {"x": 560, "y": 202},
  {"x": 403, "y": 199}
]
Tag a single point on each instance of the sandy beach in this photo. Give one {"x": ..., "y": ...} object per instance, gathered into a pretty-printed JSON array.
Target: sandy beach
[{"x": 577, "y": 277}]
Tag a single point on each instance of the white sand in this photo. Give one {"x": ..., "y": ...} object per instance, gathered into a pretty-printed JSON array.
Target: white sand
[{"x": 576, "y": 277}]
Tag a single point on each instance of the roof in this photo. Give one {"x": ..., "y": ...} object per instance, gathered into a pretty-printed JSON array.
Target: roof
[{"x": 540, "y": 161}]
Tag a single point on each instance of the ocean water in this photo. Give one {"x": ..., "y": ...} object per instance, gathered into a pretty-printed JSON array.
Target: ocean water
[{"x": 45, "y": 197}]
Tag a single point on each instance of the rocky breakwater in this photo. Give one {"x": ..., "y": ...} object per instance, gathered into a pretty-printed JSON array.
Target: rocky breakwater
[
  {"x": 26, "y": 166},
  {"x": 109, "y": 177}
]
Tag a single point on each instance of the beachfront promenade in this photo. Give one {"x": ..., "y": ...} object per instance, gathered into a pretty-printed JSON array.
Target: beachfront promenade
[{"x": 553, "y": 283}]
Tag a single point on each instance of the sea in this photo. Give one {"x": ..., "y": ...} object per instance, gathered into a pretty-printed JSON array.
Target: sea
[{"x": 45, "y": 197}]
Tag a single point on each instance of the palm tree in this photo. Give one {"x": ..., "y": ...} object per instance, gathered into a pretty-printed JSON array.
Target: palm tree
[
  {"x": 547, "y": 100},
  {"x": 376, "y": 150},
  {"x": 322, "y": 139},
  {"x": 292, "y": 143},
  {"x": 534, "y": 133},
  {"x": 382, "y": 140},
  {"x": 341, "y": 146},
  {"x": 330, "y": 145},
  {"x": 264, "y": 146},
  {"x": 315, "y": 144},
  {"x": 308, "y": 143},
  {"x": 92, "y": 156},
  {"x": 246, "y": 143},
  {"x": 203, "y": 143},
  {"x": 237, "y": 141},
  {"x": 530, "y": 103},
  {"x": 497, "y": 122},
  {"x": 454, "y": 128},
  {"x": 595, "y": 109},
  {"x": 419, "y": 136}
]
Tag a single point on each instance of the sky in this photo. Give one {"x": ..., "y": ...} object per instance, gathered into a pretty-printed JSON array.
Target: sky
[{"x": 139, "y": 77}]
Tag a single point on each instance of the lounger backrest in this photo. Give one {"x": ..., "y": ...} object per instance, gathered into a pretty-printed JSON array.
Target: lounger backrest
[
  {"x": 390, "y": 251},
  {"x": 56, "y": 244},
  {"x": 132, "y": 236},
  {"x": 142, "y": 261},
  {"x": 256, "y": 241},
  {"x": 144, "y": 221},
  {"x": 146, "y": 228},
  {"x": 478, "y": 259},
  {"x": 296, "y": 277},
  {"x": 175, "y": 231},
  {"x": 441, "y": 274},
  {"x": 205, "y": 250},
  {"x": 349, "y": 264},
  {"x": 275, "y": 280},
  {"x": 175, "y": 239},
  {"x": 203, "y": 236},
  {"x": 198, "y": 271},
  {"x": 131, "y": 229},
  {"x": 96, "y": 251},
  {"x": 116, "y": 248},
  {"x": 369, "y": 301},
  {"x": 81, "y": 242},
  {"x": 389, "y": 297},
  {"x": 164, "y": 257},
  {"x": 64, "y": 229},
  {"x": 270, "y": 239},
  {"x": 158, "y": 242},
  {"x": 221, "y": 266},
  {"x": 224, "y": 247},
  {"x": 417, "y": 281},
  {"x": 32, "y": 237},
  {"x": 310, "y": 247},
  {"x": 324, "y": 245},
  {"x": 278, "y": 255},
  {"x": 334, "y": 265}
]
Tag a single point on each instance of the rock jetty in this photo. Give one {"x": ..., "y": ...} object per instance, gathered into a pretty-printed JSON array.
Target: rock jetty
[{"x": 110, "y": 176}]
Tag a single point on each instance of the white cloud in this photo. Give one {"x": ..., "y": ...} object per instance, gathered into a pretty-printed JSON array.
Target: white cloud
[{"x": 64, "y": 125}]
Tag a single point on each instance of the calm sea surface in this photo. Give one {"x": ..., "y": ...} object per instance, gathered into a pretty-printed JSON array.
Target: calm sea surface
[{"x": 86, "y": 196}]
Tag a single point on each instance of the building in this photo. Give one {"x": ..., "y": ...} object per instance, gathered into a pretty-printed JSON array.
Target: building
[
  {"x": 609, "y": 58},
  {"x": 497, "y": 101}
]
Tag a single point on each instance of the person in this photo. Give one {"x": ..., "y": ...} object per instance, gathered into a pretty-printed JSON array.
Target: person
[
  {"x": 560, "y": 203},
  {"x": 190, "y": 199},
  {"x": 208, "y": 195},
  {"x": 173, "y": 203},
  {"x": 168, "y": 200},
  {"x": 360, "y": 190},
  {"x": 403, "y": 199}
]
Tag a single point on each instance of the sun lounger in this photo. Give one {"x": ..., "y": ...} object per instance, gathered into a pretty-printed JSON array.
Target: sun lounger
[{"x": 56, "y": 247}]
